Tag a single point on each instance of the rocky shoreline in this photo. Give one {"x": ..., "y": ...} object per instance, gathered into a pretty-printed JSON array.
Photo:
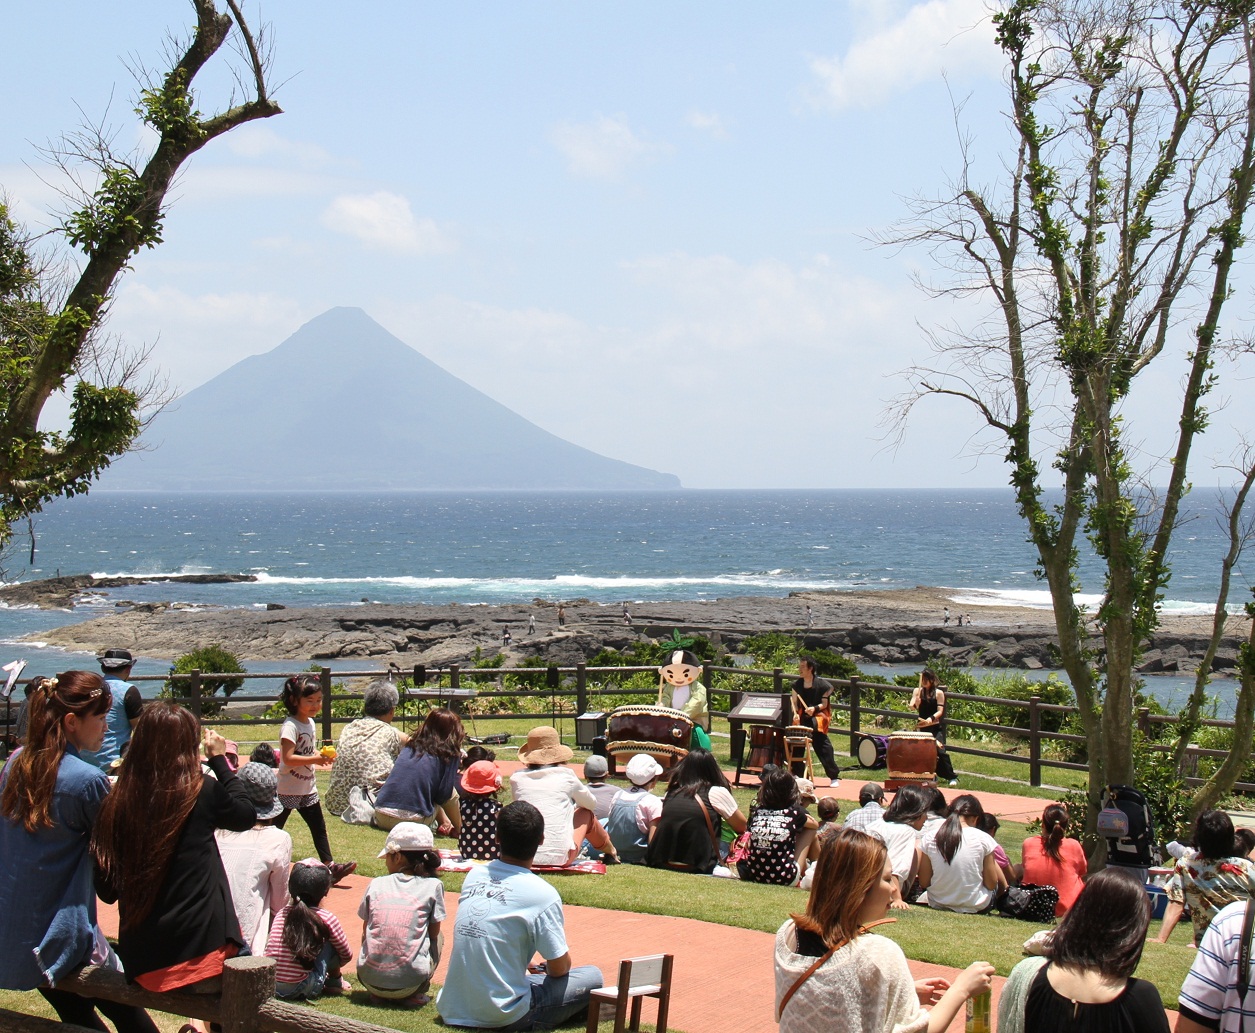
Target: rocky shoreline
[{"x": 889, "y": 627}]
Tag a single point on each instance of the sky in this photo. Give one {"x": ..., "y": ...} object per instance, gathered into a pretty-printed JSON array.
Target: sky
[{"x": 646, "y": 227}]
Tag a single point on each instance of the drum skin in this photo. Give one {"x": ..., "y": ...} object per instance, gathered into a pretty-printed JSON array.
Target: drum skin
[
  {"x": 873, "y": 751},
  {"x": 912, "y": 757},
  {"x": 659, "y": 731}
]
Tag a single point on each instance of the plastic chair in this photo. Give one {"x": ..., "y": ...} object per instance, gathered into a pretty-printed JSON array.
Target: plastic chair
[{"x": 638, "y": 978}]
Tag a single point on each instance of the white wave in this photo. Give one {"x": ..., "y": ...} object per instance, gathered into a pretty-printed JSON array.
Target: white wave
[
  {"x": 1040, "y": 600},
  {"x": 157, "y": 575},
  {"x": 570, "y": 582}
]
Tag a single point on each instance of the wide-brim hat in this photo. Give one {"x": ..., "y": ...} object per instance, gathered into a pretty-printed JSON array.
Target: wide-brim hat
[
  {"x": 544, "y": 747},
  {"x": 481, "y": 778},
  {"x": 115, "y": 659},
  {"x": 261, "y": 783}
]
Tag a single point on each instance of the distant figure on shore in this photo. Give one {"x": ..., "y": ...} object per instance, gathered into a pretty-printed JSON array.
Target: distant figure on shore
[
  {"x": 959, "y": 619},
  {"x": 506, "y": 639},
  {"x": 945, "y": 616},
  {"x": 562, "y": 616},
  {"x": 531, "y": 624},
  {"x": 810, "y": 617},
  {"x": 627, "y": 617}
]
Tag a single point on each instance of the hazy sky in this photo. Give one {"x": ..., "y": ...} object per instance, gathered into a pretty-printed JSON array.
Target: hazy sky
[{"x": 641, "y": 225}]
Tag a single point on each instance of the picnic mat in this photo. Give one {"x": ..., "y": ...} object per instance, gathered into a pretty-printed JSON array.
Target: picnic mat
[{"x": 452, "y": 861}]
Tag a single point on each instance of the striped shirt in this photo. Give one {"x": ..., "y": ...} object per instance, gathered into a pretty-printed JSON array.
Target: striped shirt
[
  {"x": 287, "y": 969},
  {"x": 1209, "y": 994}
]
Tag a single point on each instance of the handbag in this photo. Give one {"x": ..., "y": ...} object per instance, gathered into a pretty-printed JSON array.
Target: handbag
[
  {"x": 1028, "y": 902},
  {"x": 740, "y": 848},
  {"x": 361, "y": 808}
]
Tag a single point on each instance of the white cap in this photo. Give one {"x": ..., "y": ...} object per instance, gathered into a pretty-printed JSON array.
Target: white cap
[
  {"x": 643, "y": 768},
  {"x": 408, "y": 835}
]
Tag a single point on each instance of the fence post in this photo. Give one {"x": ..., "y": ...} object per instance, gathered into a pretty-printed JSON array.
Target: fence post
[
  {"x": 455, "y": 676},
  {"x": 1143, "y": 720},
  {"x": 581, "y": 688},
  {"x": 855, "y": 720},
  {"x": 1034, "y": 741},
  {"x": 324, "y": 677},
  {"x": 194, "y": 690},
  {"x": 247, "y": 984}
]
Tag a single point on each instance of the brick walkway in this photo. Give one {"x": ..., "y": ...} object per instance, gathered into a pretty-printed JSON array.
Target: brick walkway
[{"x": 723, "y": 980}]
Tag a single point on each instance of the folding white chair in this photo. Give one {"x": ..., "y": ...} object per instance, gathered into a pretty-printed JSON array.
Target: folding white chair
[{"x": 638, "y": 978}]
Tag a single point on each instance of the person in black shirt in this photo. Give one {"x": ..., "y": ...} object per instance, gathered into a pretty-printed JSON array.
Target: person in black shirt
[{"x": 812, "y": 702}]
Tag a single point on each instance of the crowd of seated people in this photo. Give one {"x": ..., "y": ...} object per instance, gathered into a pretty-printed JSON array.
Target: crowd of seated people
[{"x": 190, "y": 846}]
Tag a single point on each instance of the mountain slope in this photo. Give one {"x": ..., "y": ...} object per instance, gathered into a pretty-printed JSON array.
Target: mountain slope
[{"x": 343, "y": 404}]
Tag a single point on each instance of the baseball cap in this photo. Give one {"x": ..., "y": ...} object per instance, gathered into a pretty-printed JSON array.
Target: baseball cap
[
  {"x": 642, "y": 768},
  {"x": 595, "y": 767}
]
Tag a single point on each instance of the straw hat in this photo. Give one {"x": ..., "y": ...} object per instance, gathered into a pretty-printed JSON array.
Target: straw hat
[{"x": 544, "y": 747}]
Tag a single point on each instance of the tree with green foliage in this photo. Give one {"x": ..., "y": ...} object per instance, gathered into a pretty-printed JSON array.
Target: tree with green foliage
[
  {"x": 51, "y": 331},
  {"x": 1104, "y": 251},
  {"x": 211, "y": 660}
]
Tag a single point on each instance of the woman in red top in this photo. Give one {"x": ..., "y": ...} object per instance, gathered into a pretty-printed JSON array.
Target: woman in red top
[{"x": 1052, "y": 859}]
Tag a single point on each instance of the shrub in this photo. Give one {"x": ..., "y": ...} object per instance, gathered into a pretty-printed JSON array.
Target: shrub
[{"x": 213, "y": 660}]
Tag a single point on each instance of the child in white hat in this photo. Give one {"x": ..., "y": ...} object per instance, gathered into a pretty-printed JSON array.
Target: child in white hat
[
  {"x": 635, "y": 810},
  {"x": 401, "y": 914}
]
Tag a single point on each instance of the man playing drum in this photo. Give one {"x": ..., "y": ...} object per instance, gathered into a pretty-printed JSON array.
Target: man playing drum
[{"x": 812, "y": 699}]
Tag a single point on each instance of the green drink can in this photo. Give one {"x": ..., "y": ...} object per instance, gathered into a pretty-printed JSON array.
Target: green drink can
[{"x": 979, "y": 1017}]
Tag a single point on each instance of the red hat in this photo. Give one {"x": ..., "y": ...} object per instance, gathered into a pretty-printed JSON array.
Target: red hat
[{"x": 481, "y": 778}]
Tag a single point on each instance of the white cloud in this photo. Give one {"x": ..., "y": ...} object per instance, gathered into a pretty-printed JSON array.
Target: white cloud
[
  {"x": 707, "y": 122},
  {"x": 928, "y": 39},
  {"x": 384, "y": 220},
  {"x": 259, "y": 140},
  {"x": 197, "y": 336},
  {"x": 601, "y": 149}
]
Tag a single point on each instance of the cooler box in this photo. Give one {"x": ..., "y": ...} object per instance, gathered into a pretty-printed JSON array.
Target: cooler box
[{"x": 1158, "y": 901}]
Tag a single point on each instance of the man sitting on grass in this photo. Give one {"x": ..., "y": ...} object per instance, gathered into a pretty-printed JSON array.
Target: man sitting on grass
[{"x": 506, "y": 916}]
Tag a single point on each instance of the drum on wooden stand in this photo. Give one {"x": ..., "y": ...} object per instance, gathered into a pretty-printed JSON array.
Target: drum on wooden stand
[
  {"x": 661, "y": 732},
  {"x": 911, "y": 759},
  {"x": 873, "y": 751}
]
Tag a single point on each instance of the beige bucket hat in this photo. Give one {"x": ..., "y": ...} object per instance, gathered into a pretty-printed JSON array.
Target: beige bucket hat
[{"x": 544, "y": 747}]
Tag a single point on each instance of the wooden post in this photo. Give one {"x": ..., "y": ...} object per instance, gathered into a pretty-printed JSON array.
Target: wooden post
[
  {"x": 194, "y": 691},
  {"x": 324, "y": 676},
  {"x": 1143, "y": 720},
  {"x": 1034, "y": 741},
  {"x": 247, "y": 983},
  {"x": 855, "y": 719},
  {"x": 581, "y": 688},
  {"x": 455, "y": 676}
]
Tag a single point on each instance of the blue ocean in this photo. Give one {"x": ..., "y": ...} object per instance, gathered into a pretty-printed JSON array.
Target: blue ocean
[{"x": 312, "y": 549}]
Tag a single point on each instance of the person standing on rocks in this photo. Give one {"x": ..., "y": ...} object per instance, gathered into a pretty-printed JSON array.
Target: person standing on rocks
[
  {"x": 531, "y": 624},
  {"x": 812, "y": 699},
  {"x": 561, "y": 616}
]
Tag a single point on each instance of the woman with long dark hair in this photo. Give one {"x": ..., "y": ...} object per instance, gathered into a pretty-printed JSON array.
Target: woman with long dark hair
[
  {"x": 781, "y": 832},
  {"x": 929, "y": 702},
  {"x": 49, "y": 800},
  {"x": 957, "y": 866},
  {"x": 423, "y": 781},
  {"x": 1087, "y": 983},
  {"x": 698, "y": 801},
  {"x": 899, "y": 830},
  {"x": 157, "y": 857},
  {"x": 1052, "y": 859},
  {"x": 833, "y": 974}
]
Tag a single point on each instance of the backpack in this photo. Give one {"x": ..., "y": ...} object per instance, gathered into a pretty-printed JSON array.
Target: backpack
[{"x": 1130, "y": 842}]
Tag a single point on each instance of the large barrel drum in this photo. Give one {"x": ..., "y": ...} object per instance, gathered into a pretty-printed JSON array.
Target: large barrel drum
[
  {"x": 912, "y": 759},
  {"x": 659, "y": 731}
]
